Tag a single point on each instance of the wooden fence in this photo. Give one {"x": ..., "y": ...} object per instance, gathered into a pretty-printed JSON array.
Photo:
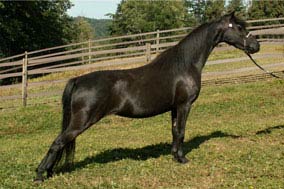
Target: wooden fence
[{"x": 112, "y": 51}]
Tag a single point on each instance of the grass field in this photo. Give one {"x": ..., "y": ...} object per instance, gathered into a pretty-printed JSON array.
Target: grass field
[{"x": 234, "y": 139}]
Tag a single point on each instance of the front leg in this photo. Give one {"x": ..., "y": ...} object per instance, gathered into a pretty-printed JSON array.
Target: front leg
[{"x": 179, "y": 117}]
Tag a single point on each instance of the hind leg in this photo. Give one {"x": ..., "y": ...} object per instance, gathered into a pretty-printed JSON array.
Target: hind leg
[
  {"x": 50, "y": 159},
  {"x": 79, "y": 123}
]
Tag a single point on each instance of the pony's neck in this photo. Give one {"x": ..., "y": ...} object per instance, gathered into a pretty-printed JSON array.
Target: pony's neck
[{"x": 198, "y": 45}]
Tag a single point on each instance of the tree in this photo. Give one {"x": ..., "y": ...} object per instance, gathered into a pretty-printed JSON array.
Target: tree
[
  {"x": 143, "y": 16},
  {"x": 238, "y": 7},
  {"x": 31, "y": 25},
  {"x": 197, "y": 8},
  {"x": 266, "y": 9},
  {"x": 214, "y": 9},
  {"x": 206, "y": 10},
  {"x": 82, "y": 30},
  {"x": 101, "y": 26}
]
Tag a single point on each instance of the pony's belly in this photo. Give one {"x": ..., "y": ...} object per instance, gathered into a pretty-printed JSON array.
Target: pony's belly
[
  {"x": 142, "y": 110},
  {"x": 140, "y": 114}
]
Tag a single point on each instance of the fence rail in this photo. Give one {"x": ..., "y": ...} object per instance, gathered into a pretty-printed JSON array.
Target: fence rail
[{"x": 112, "y": 51}]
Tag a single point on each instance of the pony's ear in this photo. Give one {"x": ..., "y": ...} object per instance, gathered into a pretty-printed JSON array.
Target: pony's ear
[
  {"x": 232, "y": 14},
  {"x": 229, "y": 17}
]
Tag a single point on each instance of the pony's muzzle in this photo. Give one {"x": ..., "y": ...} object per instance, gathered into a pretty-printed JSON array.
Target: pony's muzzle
[{"x": 251, "y": 44}]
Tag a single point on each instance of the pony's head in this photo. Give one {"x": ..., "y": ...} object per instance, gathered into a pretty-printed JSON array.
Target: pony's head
[{"x": 235, "y": 33}]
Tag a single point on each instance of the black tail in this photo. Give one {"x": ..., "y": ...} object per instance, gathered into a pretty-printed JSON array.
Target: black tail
[{"x": 69, "y": 149}]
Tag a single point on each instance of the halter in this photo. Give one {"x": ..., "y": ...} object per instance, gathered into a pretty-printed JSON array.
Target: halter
[
  {"x": 245, "y": 39},
  {"x": 245, "y": 44}
]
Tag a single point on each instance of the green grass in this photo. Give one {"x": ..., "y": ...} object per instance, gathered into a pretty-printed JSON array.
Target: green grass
[{"x": 234, "y": 139}]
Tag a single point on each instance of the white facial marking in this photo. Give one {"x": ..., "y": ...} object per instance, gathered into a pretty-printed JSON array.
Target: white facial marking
[{"x": 230, "y": 25}]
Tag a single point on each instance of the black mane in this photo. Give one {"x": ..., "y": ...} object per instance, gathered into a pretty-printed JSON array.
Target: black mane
[{"x": 188, "y": 50}]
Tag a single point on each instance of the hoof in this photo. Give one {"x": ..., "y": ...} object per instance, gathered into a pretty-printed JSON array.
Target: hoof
[
  {"x": 181, "y": 160},
  {"x": 39, "y": 178}
]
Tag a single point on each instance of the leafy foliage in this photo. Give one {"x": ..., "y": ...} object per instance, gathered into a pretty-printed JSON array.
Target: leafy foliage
[
  {"x": 214, "y": 9},
  {"x": 31, "y": 25},
  {"x": 101, "y": 26},
  {"x": 238, "y": 7},
  {"x": 197, "y": 8},
  {"x": 143, "y": 16},
  {"x": 266, "y": 9},
  {"x": 83, "y": 30}
]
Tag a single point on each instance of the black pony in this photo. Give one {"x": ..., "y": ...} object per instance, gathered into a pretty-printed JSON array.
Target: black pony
[{"x": 171, "y": 82}]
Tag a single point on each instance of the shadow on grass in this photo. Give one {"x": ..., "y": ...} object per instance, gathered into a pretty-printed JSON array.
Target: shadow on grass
[
  {"x": 270, "y": 129},
  {"x": 151, "y": 151}
]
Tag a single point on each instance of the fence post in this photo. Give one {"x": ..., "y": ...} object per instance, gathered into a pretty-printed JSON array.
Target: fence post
[
  {"x": 25, "y": 80},
  {"x": 157, "y": 41},
  {"x": 90, "y": 45},
  {"x": 148, "y": 52}
]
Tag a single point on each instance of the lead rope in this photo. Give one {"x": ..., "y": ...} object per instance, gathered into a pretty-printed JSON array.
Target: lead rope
[{"x": 266, "y": 71}]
